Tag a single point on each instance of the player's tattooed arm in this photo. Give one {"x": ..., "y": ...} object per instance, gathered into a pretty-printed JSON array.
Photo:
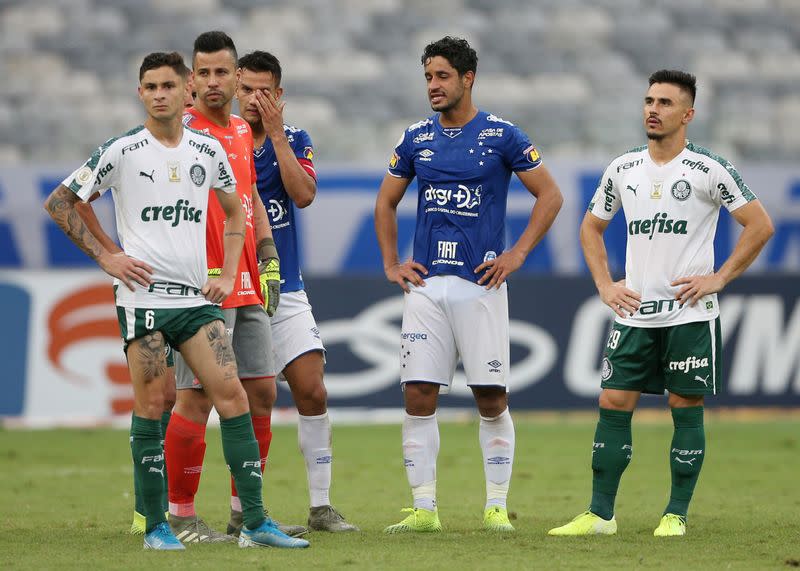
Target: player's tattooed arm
[
  {"x": 61, "y": 207},
  {"x": 89, "y": 217},
  {"x": 216, "y": 290}
]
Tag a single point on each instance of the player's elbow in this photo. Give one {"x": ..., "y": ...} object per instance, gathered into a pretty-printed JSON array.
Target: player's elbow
[{"x": 306, "y": 198}]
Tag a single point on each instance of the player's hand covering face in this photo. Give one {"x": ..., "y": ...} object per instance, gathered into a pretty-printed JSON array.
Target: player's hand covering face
[{"x": 251, "y": 84}]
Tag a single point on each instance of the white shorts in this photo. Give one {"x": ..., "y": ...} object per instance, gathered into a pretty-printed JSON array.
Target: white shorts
[
  {"x": 452, "y": 317},
  {"x": 294, "y": 331}
]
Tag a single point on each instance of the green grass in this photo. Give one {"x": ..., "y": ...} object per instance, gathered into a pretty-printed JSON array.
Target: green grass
[{"x": 65, "y": 502}]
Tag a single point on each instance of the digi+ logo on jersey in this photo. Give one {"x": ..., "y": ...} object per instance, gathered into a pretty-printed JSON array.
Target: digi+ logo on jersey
[
  {"x": 277, "y": 213},
  {"x": 462, "y": 198}
]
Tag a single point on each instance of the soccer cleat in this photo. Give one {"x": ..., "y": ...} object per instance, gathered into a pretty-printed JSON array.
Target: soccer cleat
[
  {"x": 326, "y": 518},
  {"x": 495, "y": 518},
  {"x": 193, "y": 529},
  {"x": 161, "y": 538},
  {"x": 671, "y": 525},
  {"x": 139, "y": 524},
  {"x": 419, "y": 520},
  {"x": 587, "y": 524},
  {"x": 268, "y": 535},
  {"x": 236, "y": 522}
]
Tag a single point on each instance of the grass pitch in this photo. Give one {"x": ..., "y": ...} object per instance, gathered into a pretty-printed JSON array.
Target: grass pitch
[{"x": 66, "y": 501}]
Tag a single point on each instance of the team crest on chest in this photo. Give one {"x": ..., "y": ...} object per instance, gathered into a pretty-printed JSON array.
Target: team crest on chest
[
  {"x": 198, "y": 174},
  {"x": 681, "y": 190},
  {"x": 174, "y": 172}
]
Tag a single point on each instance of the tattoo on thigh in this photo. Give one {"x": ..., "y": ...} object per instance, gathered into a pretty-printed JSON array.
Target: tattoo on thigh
[
  {"x": 151, "y": 355},
  {"x": 220, "y": 344}
]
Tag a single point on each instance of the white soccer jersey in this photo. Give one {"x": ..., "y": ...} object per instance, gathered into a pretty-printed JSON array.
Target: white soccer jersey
[
  {"x": 160, "y": 199},
  {"x": 671, "y": 213}
]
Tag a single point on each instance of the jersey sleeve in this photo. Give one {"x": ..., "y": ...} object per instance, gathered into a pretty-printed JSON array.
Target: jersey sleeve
[
  {"x": 519, "y": 153},
  {"x": 728, "y": 188},
  {"x": 401, "y": 164},
  {"x": 304, "y": 151},
  {"x": 98, "y": 174},
  {"x": 222, "y": 175},
  {"x": 606, "y": 200}
]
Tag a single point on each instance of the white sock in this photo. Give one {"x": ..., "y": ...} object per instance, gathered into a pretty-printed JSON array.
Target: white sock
[
  {"x": 314, "y": 437},
  {"x": 497, "y": 444},
  {"x": 420, "y": 449}
]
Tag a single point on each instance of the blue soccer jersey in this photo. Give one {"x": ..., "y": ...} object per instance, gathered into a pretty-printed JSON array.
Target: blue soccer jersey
[
  {"x": 462, "y": 179},
  {"x": 279, "y": 205}
]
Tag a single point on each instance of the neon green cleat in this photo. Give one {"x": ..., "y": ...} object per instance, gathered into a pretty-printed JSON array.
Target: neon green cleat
[
  {"x": 671, "y": 525},
  {"x": 139, "y": 524},
  {"x": 419, "y": 520},
  {"x": 495, "y": 518},
  {"x": 587, "y": 524}
]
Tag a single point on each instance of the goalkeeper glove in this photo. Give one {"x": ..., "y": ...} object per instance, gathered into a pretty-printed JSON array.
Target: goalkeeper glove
[{"x": 269, "y": 270}]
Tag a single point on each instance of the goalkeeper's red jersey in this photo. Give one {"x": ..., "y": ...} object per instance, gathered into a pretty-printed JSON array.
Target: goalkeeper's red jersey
[{"x": 237, "y": 140}]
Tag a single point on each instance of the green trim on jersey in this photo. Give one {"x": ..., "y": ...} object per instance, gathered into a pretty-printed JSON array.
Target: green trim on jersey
[
  {"x": 638, "y": 149},
  {"x": 95, "y": 158},
  {"x": 726, "y": 164}
]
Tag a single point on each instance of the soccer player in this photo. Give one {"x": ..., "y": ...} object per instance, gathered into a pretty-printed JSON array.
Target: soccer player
[
  {"x": 285, "y": 179},
  {"x": 666, "y": 333},
  {"x": 256, "y": 288},
  {"x": 456, "y": 297},
  {"x": 161, "y": 184}
]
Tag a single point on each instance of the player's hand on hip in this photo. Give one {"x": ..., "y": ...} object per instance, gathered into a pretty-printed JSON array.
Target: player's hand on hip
[
  {"x": 128, "y": 270},
  {"x": 695, "y": 287},
  {"x": 217, "y": 290},
  {"x": 625, "y": 302},
  {"x": 498, "y": 269},
  {"x": 405, "y": 273},
  {"x": 269, "y": 274},
  {"x": 271, "y": 111}
]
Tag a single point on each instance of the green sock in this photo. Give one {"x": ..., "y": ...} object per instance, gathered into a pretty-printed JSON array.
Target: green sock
[
  {"x": 165, "y": 416},
  {"x": 241, "y": 453},
  {"x": 685, "y": 457},
  {"x": 148, "y": 464},
  {"x": 611, "y": 454},
  {"x": 138, "y": 504}
]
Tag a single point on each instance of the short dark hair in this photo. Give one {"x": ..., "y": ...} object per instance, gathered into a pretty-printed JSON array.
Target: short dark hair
[
  {"x": 214, "y": 41},
  {"x": 457, "y": 51},
  {"x": 682, "y": 79},
  {"x": 162, "y": 59},
  {"x": 260, "y": 61}
]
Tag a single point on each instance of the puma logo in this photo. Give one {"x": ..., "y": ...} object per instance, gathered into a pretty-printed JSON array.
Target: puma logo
[
  {"x": 702, "y": 380},
  {"x": 686, "y": 461},
  {"x": 256, "y": 474},
  {"x": 633, "y": 189},
  {"x": 150, "y": 176},
  {"x": 157, "y": 470}
]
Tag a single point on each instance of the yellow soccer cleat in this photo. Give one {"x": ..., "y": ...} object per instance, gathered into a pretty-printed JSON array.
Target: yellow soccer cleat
[
  {"x": 495, "y": 518},
  {"x": 139, "y": 524},
  {"x": 671, "y": 525},
  {"x": 419, "y": 520},
  {"x": 587, "y": 524}
]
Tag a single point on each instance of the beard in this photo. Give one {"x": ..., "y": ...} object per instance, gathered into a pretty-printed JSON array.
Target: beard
[{"x": 655, "y": 136}]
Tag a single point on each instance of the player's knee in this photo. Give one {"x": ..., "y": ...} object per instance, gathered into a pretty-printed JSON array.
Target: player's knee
[
  {"x": 617, "y": 400},
  {"x": 684, "y": 401}
]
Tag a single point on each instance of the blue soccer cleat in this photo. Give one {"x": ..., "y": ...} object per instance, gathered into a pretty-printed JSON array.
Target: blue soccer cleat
[
  {"x": 268, "y": 535},
  {"x": 161, "y": 538}
]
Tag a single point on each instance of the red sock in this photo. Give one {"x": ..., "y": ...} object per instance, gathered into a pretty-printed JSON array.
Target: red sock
[
  {"x": 184, "y": 448},
  {"x": 262, "y": 425}
]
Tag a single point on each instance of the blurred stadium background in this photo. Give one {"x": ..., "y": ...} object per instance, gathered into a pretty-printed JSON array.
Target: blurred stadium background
[{"x": 572, "y": 73}]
